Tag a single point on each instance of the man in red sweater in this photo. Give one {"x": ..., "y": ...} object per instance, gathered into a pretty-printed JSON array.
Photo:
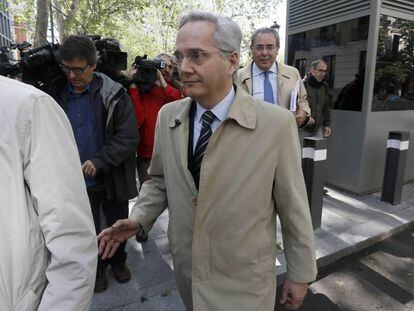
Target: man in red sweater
[{"x": 147, "y": 105}]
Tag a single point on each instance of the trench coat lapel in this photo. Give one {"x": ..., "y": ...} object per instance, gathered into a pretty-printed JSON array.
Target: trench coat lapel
[
  {"x": 180, "y": 122},
  {"x": 243, "y": 110},
  {"x": 282, "y": 80},
  {"x": 245, "y": 78}
]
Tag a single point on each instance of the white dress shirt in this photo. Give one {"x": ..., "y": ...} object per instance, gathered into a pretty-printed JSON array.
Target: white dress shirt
[
  {"x": 220, "y": 110},
  {"x": 258, "y": 81}
]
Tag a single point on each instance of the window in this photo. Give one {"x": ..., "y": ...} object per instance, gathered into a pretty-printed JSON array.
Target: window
[
  {"x": 394, "y": 70},
  {"x": 300, "y": 65},
  {"x": 362, "y": 60},
  {"x": 330, "y": 75},
  {"x": 345, "y": 58},
  {"x": 360, "y": 32},
  {"x": 327, "y": 36}
]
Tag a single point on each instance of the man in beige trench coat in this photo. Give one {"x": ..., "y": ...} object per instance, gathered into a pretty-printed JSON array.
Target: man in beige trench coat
[{"x": 222, "y": 229}]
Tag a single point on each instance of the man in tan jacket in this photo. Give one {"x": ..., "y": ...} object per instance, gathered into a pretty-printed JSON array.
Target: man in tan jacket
[
  {"x": 224, "y": 163},
  {"x": 281, "y": 79}
]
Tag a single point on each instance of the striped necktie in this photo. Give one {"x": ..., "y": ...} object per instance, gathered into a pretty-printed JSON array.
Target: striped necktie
[
  {"x": 205, "y": 134},
  {"x": 267, "y": 89}
]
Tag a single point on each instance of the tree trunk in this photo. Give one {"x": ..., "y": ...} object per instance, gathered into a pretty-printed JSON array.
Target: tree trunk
[
  {"x": 65, "y": 18},
  {"x": 42, "y": 19}
]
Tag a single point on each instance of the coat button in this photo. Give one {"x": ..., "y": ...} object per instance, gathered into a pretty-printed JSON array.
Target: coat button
[{"x": 194, "y": 200}]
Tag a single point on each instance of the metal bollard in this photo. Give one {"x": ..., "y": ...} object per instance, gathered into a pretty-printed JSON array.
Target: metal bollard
[
  {"x": 314, "y": 154},
  {"x": 397, "y": 150}
]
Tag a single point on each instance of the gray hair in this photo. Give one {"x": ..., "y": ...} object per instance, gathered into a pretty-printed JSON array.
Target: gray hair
[
  {"x": 227, "y": 34},
  {"x": 170, "y": 57},
  {"x": 265, "y": 30},
  {"x": 316, "y": 62}
]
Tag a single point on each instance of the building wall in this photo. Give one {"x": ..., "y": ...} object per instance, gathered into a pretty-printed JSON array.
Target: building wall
[
  {"x": 305, "y": 14},
  {"x": 357, "y": 147},
  {"x": 20, "y": 31}
]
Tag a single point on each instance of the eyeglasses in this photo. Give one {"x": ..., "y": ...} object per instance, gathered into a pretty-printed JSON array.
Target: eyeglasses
[
  {"x": 76, "y": 70},
  {"x": 261, "y": 48},
  {"x": 198, "y": 57},
  {"x": 321, "y": 70}
]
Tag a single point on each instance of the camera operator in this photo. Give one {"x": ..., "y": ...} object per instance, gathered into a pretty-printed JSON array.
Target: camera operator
[
  {"x": 104, "y": 126},
  {"x": 111, "y": 60},
  {"x": 147, "y": 104}
]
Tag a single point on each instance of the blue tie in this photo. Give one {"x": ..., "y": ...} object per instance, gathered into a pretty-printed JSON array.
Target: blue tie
[{"x": 267, "y": 88}]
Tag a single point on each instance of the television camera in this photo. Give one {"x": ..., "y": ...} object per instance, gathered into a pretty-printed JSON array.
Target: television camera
[
  {"x": 146, "y": 73},
  {"x": 38, "y": 67}
]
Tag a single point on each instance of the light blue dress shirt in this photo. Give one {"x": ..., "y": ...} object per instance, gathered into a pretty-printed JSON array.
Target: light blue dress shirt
[
  {"x": 258, "y": 81},
  {"x": 220, "y": 110}
]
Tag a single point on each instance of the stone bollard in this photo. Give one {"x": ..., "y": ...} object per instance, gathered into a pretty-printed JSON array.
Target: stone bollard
[
  {"x": 397, "y": 150},
  {"x": 314, "y": 154}
]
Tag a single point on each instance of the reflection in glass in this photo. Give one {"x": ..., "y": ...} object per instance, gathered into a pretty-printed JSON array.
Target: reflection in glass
[
  {"x": 350, "y": 97},
  {"x": 300, "y": 64},
  {"x": 394, "y": 70},
  {"x": 343, "y": 46},
  {"x": 330, "y": 76}
]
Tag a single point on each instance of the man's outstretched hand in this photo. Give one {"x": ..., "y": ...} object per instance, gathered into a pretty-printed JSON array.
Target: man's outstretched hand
[
  {"x": 110, "y": 238},
  {"x": 293, "y": 294}
]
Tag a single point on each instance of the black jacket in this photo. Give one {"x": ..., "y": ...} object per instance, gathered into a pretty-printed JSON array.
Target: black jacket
[
  {"x": 115, "y": 162},
  {"x": 319, "y": 101}
]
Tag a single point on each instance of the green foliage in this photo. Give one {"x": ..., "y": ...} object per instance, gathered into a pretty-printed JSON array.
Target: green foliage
[
  {"x": 248, "y": 14},
  {"x": 97, "y": 16},
  {"x": 156, "y": 30},
  {"x": 395, "y": 59},
  {"x": 407, "y": 51},
  {"x": 390, "y": 73},
  {"x": 24, "y": 12},
  {"x": 147, "y": 26}
]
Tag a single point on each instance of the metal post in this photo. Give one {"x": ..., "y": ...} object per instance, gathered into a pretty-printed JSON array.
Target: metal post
[
  {"x": 314, "y": 154},
  {"x": 397, "y": 150}
]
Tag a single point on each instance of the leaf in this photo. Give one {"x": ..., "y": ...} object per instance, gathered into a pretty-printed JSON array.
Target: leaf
[{"x": 165, "y": 292}]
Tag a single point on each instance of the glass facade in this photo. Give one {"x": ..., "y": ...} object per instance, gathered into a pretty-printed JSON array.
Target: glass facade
[
  {"x": 5, "y": 24},
  {"x": 343, "y": 46},
  {"x": 394, "y": 70}
]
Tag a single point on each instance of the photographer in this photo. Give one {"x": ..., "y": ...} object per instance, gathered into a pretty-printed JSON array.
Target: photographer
[
  {"x": 147, "y": 102},
  {"x": 102, "y": 119},
  {"x": 111, "y": 59}
]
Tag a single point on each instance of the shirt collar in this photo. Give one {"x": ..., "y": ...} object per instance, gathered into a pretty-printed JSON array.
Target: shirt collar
[
  {"x": 256, "y": 71},
  {"x": 71, "y": 91},
  {"x": 220, "y": 110}
]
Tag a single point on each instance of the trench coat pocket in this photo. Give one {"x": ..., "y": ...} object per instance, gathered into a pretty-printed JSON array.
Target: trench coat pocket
[{"x": 239, "y": 259}]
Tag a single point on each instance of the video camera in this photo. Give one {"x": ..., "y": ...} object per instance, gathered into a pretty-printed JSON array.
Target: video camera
[
  {"x": 8, "y": 66},
  {"x": 111, "y": 58},
  {"x": 38, "y": 67},
  {"x": 146, "y": 73}
]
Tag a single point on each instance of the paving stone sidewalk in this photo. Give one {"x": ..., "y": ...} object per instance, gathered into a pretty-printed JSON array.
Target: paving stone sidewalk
[{"x": 349, "y": 224}]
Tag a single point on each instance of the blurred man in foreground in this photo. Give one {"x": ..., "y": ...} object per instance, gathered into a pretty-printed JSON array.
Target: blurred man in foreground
[{"x": 48, "y": 249}]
